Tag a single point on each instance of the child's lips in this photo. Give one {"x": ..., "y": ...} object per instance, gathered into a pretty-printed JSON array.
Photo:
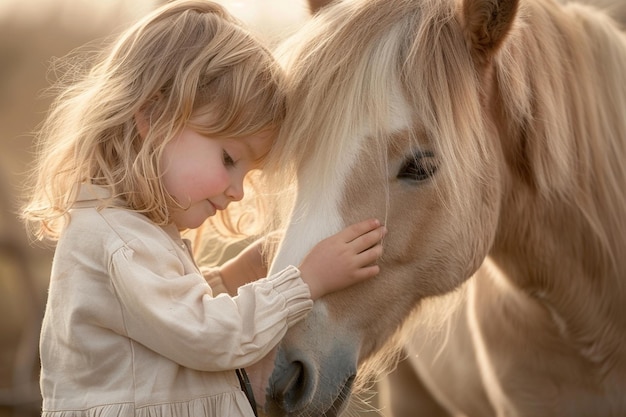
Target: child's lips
[{"x": 215, "y": 206}]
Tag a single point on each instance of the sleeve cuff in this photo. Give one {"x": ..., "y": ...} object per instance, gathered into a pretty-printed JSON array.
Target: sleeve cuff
[{"x": 294, "y": 291}]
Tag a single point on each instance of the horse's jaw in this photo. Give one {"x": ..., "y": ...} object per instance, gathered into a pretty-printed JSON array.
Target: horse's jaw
[{"x": 313, "y": 371}]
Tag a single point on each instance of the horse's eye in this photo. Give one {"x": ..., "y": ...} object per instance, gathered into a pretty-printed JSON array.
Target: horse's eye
[{"x": 418, "y": 167}]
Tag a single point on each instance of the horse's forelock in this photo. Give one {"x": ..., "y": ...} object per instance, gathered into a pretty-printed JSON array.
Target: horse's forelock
[
  {"x": 335, "y": 90},
  {"x": 341, "y": 78},
  {"x": 443, "y": 88}
]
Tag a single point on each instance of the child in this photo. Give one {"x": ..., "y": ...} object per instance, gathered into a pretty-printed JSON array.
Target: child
[{"x": 156, "y": 138}]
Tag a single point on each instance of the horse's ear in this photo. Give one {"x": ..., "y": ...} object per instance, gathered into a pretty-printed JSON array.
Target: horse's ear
[
  {"x": 486, "y": 25},
  {"x": 316, "y": 5}
]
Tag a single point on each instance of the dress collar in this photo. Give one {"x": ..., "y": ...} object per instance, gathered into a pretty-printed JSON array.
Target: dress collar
[
  {"x": 90, "y": 195},
  {"x": 90, "y": 192}
]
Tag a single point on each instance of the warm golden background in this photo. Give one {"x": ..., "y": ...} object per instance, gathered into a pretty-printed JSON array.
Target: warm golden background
[{"x": 32, "y": 33}]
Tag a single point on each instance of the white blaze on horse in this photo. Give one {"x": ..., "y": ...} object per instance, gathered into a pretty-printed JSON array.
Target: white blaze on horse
[{"x": 490, "y": 137}]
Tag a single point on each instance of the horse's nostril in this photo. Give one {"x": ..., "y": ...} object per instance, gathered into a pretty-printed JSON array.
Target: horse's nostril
[
  {"x": 291, "y": 387},
  {"x": 289, "y": 380}
]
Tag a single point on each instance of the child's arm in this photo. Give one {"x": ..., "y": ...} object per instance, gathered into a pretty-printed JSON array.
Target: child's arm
[
  {"x": 249, "y": 265},
  {"x": 176, "y": 316}
]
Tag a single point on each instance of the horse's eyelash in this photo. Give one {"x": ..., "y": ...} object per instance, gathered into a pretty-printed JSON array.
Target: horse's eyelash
[{"x": 423, "y": 154}]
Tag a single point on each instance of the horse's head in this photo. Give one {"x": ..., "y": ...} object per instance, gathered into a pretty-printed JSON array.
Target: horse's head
[{"x": 388, "y": 116}]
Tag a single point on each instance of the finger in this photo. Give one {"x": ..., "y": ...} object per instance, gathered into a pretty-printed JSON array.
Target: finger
[
  {"x": 355, "y": 230},
  {"x": 368, "y": 239},
  {"x": 369, "y": 256},
  {"x": 366, "y": 272}
]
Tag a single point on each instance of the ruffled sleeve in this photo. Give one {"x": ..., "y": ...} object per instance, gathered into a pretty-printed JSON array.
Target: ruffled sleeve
[{"x": 175, "y": 314}]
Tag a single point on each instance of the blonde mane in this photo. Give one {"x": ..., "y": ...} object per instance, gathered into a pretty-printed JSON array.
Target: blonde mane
[{"x": 573, "y": 130}]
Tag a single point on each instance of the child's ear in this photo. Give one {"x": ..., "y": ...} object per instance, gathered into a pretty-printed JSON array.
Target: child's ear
[
  {"x": 142, "y": 116},
  {"x": 142, "y": 123}
]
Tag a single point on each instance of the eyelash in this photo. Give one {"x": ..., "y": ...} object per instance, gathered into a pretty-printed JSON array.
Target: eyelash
[{"x": 228, "y": 161}]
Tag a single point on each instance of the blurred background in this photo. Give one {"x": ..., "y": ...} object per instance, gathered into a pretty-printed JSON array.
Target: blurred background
[{"x": 32, "y": 34}]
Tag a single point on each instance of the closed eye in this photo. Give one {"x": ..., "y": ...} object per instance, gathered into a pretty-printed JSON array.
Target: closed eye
[
  {"x": 226, "y": 158},
  {"x": 418, "y": 167}
]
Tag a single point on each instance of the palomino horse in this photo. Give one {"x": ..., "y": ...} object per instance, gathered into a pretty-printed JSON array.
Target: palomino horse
[{"x": 490, "y": 137}]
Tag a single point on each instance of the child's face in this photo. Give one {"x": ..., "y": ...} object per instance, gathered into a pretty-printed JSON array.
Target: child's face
[{"x": 204, "y": 174}]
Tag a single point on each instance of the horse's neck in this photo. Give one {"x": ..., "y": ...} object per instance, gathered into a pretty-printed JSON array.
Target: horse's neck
[
  {"x": 551, "y": 258},
  {"x": 544, "y": 245}
]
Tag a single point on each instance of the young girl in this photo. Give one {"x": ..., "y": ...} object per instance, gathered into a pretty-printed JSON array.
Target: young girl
[{"x": 155, "y": 139}]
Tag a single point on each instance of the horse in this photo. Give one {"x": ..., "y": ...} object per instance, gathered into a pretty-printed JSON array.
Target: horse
[{"x": 490, "y": 137}]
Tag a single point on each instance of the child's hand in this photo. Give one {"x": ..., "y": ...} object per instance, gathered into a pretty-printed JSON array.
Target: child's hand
[
  {"x": 249, "y": 265},
  {"x": 343, "y": 259}
]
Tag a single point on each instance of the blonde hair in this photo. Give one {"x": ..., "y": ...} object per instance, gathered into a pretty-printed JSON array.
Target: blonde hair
[{"x": 186, "y": 61}]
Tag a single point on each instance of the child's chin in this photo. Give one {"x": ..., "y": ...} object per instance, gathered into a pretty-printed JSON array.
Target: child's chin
[
  {"x": 192, "y": 223},
  {"x": 197, "y": 223}
]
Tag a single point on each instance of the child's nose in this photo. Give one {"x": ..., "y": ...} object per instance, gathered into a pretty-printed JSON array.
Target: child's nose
[{"x": 235, "y": 191}]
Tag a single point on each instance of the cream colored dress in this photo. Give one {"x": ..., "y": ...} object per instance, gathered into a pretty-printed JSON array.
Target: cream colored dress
[{"x": 132, "y": 328}]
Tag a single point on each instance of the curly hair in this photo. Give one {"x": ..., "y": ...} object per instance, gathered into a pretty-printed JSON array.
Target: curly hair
[{"x": 182, "y": 63}]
